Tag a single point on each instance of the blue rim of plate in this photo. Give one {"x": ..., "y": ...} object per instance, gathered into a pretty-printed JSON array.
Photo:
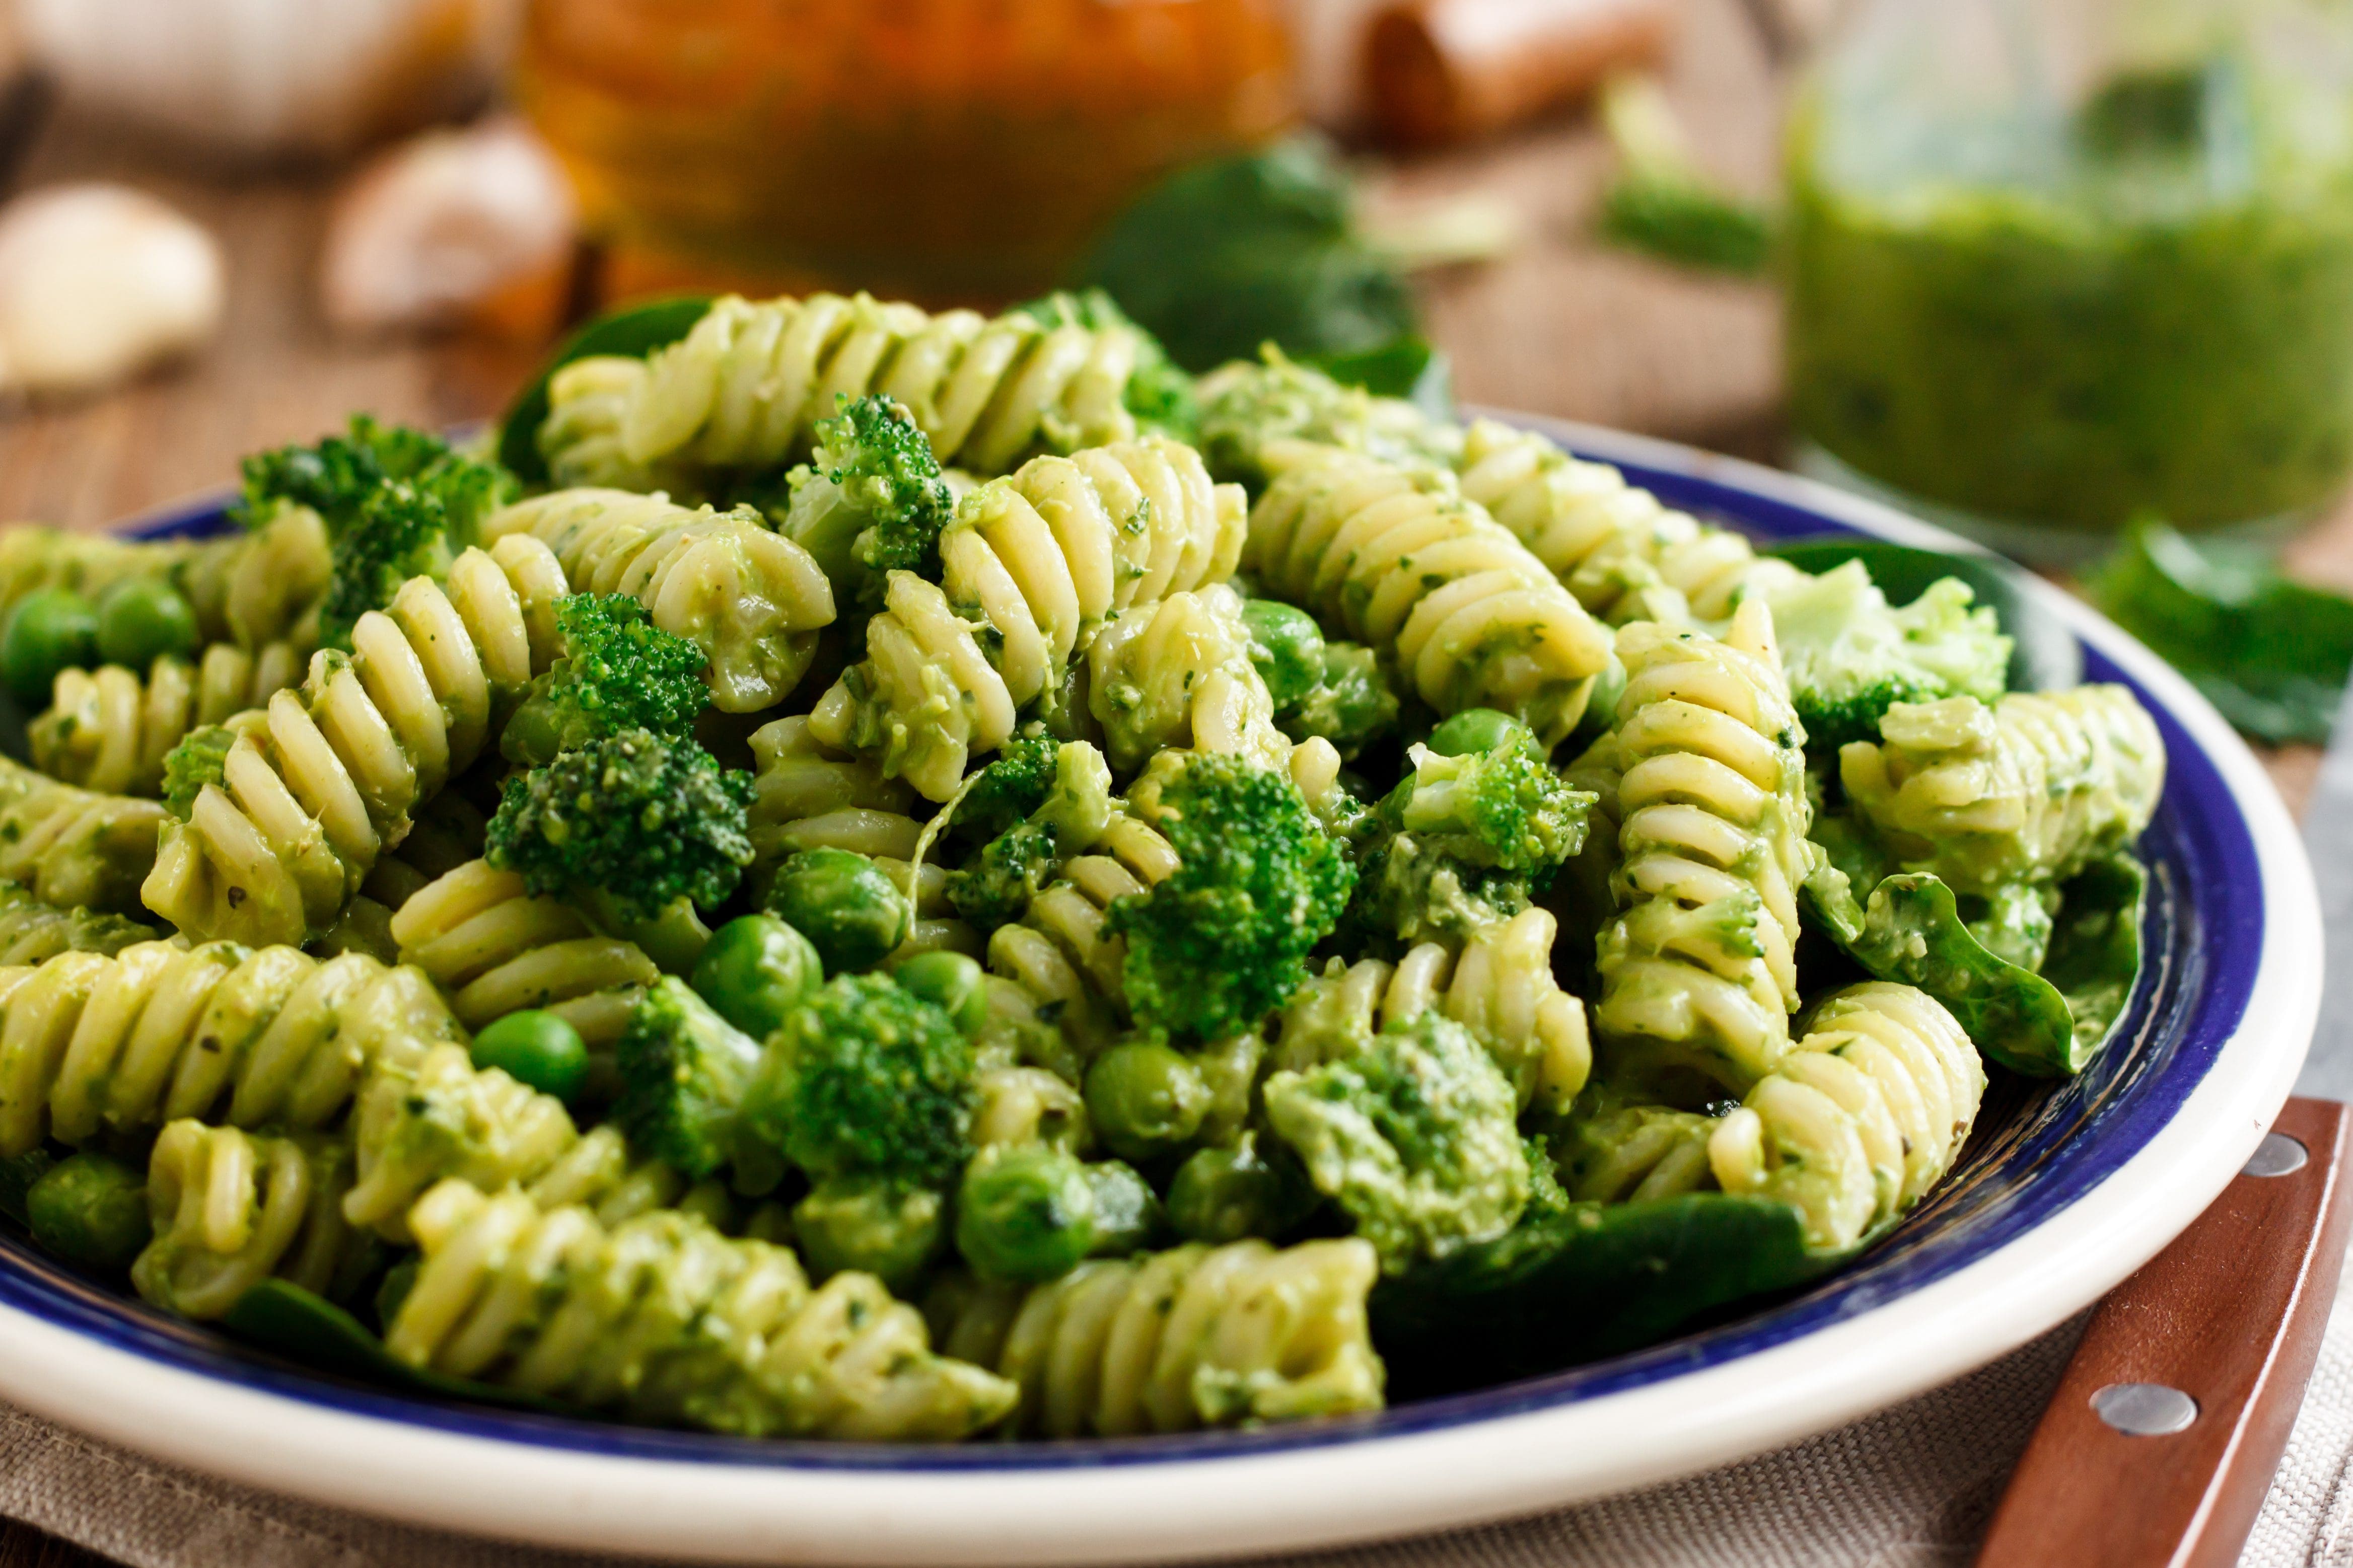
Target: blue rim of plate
[{"x": 2038, "y": 1151}]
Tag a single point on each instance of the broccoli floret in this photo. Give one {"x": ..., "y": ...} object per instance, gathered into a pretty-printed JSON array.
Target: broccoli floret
[
  {"x": 684, "y": 1069},
  {"x": 866, "y": 1079},
  {"x": 1159, "y": 391},
  {"x": 639, "y": 821},
  {"x": 1416, "y": 1137},
  {"x": 1849, "y": 656},
  {"x": 198, "y": 760},
  {"x": 397, "y": 503},
  {"x": 1467, "y": 839},
  {"x": 870, "y": 499},
  {"x": 618, "y": 671},
  {"x": 1009, "y": 788},
  {"x": 996, "y": 884},
  {"x": 1221, "y": 942}
]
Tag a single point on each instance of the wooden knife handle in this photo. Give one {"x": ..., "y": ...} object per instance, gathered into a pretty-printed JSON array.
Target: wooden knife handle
[{"x": 2230, "y": 1315}]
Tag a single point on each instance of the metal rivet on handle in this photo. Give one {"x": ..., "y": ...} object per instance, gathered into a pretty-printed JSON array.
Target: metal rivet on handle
[
  {"x": 2276, "y": 1155},
  {"x": 2145, "y": 1409}
]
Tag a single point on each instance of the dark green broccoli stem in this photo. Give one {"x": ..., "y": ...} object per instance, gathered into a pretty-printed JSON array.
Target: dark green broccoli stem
[
  {"x": 638, "y": 822},
  {"x": 618, "y": 671},
  {"x": 870, "y": 499},
  {"x": 684, "y": 1070},
  {"x": 1221, "y": 942}
]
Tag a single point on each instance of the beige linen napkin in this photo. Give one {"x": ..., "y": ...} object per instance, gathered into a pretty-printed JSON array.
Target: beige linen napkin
[{"x": 1910, "y": 1487}]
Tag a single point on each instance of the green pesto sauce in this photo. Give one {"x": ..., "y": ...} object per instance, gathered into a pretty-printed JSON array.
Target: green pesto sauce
[{"x": 2146, "y": 305}]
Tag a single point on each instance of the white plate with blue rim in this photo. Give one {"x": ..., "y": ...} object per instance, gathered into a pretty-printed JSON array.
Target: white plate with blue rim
[{"x": 2060, "y": 1195}]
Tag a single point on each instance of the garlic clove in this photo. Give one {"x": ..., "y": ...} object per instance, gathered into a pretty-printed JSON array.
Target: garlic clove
[
  {"x": 436, "y": 230},
  {"x": 98, "y": 282}
]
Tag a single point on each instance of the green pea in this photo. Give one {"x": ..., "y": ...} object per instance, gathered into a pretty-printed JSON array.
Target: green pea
[
  {"x": 1287, "y": 647},
  {"x": 957, "y": 983},
  {"x": 54, "y": 629},
  {"x": 90, "y": 1210},
  {"x": 847, "y": 905},
  {"x": 143, "y": 618},
  {"x": 1225, "y": 1194},
  {"x": 1145, "y": 1100},
  {"x": 535, "y": 734},
  {"x": 1477, "y": 730},
  {"x": 1127, "y": 1210},
  {"x": 1025, "y": 1212},
  {"x": 756, "y": 970},
  {"x": 852, "y": 1223},
  {"x": 536, "y": 1049}
]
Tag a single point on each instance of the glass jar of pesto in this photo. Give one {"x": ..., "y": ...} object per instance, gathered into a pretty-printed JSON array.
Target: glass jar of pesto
[{"x": 2054, "y": 264}]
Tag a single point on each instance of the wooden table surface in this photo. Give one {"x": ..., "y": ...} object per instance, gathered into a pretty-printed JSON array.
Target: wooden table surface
[{"x": 1558, "y": 326}]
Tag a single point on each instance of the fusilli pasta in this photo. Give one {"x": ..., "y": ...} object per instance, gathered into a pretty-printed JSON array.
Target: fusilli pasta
[
  {"x": 2030, "y": 788},
  {"x": 107, "y": 729},
  {"x": 1710, "y": 801},
  {"x": 746, "y": 386},
  {"x": 1058, "y": 952},
  {"x": 317, "y": 787},
  {"x": 90, "y": 1044},
  {"x": 751, "y": 599},
  {"x": 75, "y": 847},
  {"x": 232, "y": 1209},
  {"x": 1861, "y": 1119},
  {"x": 31, "y": 930},
  {"x": 1397, "y": 558},
  {"x": 1175, "y": 1340},
  {"x": 555, "y": 1304}
]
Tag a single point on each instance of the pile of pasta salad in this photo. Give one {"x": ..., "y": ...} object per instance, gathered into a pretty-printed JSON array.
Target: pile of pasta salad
[{"x": 911, "y": 876}]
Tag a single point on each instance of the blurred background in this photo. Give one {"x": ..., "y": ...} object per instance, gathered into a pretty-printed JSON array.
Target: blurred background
[{"x": 2065, "y": 273}]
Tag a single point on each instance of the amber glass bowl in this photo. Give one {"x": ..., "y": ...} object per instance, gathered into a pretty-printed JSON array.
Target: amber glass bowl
[{"x": 943, "y": 150}]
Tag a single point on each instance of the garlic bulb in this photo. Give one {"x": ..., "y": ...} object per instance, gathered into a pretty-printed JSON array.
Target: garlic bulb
[
  {"x": 272, "y": 76},
  {"x": 96, "y": 282},
  {"x": 438, "y": 227}
]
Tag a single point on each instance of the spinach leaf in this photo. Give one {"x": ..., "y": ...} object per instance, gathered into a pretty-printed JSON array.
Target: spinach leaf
[
  {"x": 2096, "y": 951},
  {"x": 1258, "y": 247},
  {"x": 1585, "y": 1282},
  {"x": 2044, "y": 654},
  {"x": 290, "y": 1321},
  {"x": 1404, "y": 367},
  {"x": 633, "y": 329},
  {"x": 2272, "y": 654}
]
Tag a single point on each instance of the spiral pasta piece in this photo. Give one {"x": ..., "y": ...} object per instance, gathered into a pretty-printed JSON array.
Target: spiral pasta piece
[
  {"x": 92, "y": 1044},
  {"x": 1861, "y": 1119},
  {"x": 1623, "y": 554},
  {"x": 320, "y": 784},
  {"x": 665, "y": 1320},
  {"x": 1709, "y": 796},
  {"x": 32, "y": 931},
  {"x": 1500, "y": 988},
  {"x": 232, "y": 1209},
  {"x": 1050, "y": 552},
  {"x": 75, "y": 847},
  {"x": 1177, "y": 1341},
  {"x": 745, "y": 388},
  {"x": 2029, "y": 789},
  {"x": 1180, "y": 675},
  {"x": 926, "y": 701},
  {"x": 1637, "y": 1154},
  {"x": 255, "y": 588},
  {"x": 809, "y": 795},
  {"x": 107, "y": 729},
  {"x": 751, "y": 599},
  {"x": 1058, "y": 953},
  {"x": 1397, "y": 558},
  {"x": 427, "y": 1114},
  {"x": 494, "y": 949}
]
